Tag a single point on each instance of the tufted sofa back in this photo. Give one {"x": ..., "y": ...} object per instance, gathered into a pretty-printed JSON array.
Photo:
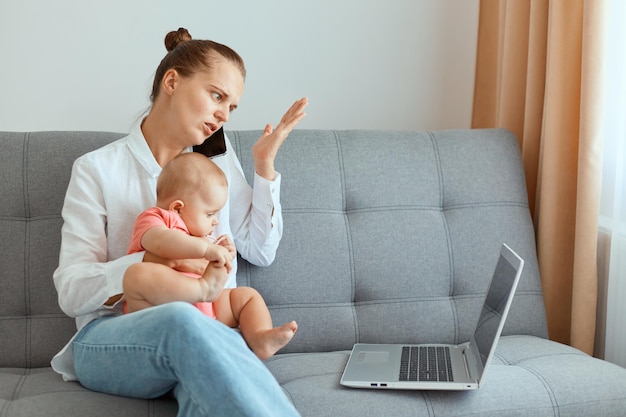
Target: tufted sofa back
[
  {"x": 389, "y": 236},
  {"x": 393, "y": 236},
  {"x": 35, "y": 169}
]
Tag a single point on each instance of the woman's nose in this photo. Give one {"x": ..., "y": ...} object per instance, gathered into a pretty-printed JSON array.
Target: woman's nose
[{"x": 222, "y": 115}]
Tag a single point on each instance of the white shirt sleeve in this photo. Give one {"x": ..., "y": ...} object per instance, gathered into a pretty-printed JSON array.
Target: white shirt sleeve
[
  {"x": 256, "y": 220},
  {"x": 85, "y": 278}
]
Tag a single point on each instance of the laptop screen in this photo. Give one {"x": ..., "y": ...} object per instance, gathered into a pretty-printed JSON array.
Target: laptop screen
[{"x": 490, "y": 319}]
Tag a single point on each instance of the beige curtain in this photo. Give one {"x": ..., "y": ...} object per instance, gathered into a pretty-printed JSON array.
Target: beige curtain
[{"x": 538, "y": 74}]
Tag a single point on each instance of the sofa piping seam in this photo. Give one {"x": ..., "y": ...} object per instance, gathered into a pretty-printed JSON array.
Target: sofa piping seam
[
  {"x": 442, "y": 298},
  {"x": 433, "y": 140},
  {"x": 27, "y": 233},
  {"x": 16, "y": 390},
  {"x": 548, "y": 388},
  {"x": 344, "y": 204}
]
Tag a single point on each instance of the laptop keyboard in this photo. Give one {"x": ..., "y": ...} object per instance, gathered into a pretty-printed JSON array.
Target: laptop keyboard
[{"x": 425, "y": 363}]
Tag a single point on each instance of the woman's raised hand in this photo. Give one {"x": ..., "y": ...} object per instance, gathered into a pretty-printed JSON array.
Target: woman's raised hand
[{"x": 266, "y": 148}]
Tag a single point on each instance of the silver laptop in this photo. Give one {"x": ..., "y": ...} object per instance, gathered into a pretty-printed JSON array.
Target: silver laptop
[{"x": 440, "y": 366}]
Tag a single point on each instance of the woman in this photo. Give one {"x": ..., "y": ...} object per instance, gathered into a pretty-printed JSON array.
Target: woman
[{"x": 173, "y": 346}]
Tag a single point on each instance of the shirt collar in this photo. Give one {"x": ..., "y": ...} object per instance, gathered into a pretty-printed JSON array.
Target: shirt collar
[{"x": 141, "y": 151}]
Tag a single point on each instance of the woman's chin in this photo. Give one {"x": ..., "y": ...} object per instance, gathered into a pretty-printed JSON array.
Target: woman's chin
[{"x": 199, "y": 139}]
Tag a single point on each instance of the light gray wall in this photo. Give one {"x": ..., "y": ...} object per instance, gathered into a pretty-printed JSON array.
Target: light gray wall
[{"x": 373, "y": 64}]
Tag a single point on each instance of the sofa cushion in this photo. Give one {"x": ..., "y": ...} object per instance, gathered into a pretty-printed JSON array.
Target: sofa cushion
[
  {"x": 35, "y": 168},
  {"x": 529, "y": 376},
  {"x": 40, "y": 392},
  {"x": 385, "y": 227}
]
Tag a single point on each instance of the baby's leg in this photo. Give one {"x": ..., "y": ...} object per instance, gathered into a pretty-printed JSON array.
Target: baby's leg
[
  {"x": 149, "y": 284},
  {"x": 244, "y": 307}
]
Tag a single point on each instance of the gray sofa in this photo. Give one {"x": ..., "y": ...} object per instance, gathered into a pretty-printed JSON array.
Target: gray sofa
[{"x": 389, "y": 237}]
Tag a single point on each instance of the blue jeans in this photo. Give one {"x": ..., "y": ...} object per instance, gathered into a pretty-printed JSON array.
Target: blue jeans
[{"x": 174, "y": 346}]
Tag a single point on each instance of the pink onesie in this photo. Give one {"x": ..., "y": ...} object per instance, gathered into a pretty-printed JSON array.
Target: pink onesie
[{"x": 156, "y": 216}]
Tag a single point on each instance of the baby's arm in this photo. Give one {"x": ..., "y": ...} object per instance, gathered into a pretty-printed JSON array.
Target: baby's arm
[{"x": 175, "y": 244}]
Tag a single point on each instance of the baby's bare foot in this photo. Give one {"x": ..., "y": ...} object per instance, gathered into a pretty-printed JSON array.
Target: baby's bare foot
[{"x": 266, "y": 343}]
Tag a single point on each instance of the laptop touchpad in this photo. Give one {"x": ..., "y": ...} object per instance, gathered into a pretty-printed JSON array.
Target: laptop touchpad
[{"x": 373, "y": 357}]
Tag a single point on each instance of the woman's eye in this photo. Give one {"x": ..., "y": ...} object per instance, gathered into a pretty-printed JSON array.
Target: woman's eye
[{"x": 217, "y": 96}]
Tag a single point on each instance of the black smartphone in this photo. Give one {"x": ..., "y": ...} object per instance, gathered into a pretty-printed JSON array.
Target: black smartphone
[{"x": 214, "y": 145}]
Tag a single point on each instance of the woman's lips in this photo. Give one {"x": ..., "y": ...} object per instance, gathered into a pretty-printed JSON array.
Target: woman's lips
[{"x": 211, "y": 128}]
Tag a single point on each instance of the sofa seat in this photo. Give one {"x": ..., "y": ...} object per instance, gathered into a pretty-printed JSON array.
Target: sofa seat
[
  {"x": 558, "y": 381},
  {"x": 41, "y": 392}
]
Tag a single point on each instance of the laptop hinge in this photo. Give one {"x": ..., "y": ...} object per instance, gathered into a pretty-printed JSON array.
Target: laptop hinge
[{"x": 465, "y": 362}]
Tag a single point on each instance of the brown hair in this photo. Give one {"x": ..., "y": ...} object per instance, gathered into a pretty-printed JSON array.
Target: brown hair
[
  {"x": 187, "y": 174},
  {"x": 188, "y": 56}
]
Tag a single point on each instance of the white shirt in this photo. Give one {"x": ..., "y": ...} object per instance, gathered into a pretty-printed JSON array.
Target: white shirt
[{"x": 108, "y": 189}]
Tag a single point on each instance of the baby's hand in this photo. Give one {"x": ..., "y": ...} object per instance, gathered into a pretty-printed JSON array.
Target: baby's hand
[
  {"x": 218, "y": 254},
  {"x": 226, "y": 242}
]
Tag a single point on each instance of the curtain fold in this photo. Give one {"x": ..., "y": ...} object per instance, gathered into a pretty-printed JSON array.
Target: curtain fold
[{"x": 538, "y": 74}]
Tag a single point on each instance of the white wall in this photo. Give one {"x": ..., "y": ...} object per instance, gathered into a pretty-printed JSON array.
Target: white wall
[{"x": 387, "y": 64}]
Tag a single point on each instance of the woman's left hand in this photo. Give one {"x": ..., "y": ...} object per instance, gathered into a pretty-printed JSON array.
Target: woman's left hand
[{"x": 265, "y": 149}]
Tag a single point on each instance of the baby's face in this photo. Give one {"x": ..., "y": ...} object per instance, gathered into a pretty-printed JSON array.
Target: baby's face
[{"x": 200, "y": 211}]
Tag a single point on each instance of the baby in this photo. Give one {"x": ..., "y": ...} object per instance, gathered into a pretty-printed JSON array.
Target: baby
[{"x": 191, "y": 191}]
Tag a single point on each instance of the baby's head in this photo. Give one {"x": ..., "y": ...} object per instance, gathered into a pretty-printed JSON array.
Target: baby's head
[{"x": 196, "y": 188}]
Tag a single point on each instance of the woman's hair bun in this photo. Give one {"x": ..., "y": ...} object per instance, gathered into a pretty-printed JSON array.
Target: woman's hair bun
[{"x": 175, "y": 38}]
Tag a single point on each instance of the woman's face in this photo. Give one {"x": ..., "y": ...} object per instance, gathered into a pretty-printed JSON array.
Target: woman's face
[{"x": 202, "y": 103}]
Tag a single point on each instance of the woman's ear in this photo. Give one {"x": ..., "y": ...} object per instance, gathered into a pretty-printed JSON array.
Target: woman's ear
[
  {"x": 177, "y": 205},
  {"x": 170, "y": 80}
]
